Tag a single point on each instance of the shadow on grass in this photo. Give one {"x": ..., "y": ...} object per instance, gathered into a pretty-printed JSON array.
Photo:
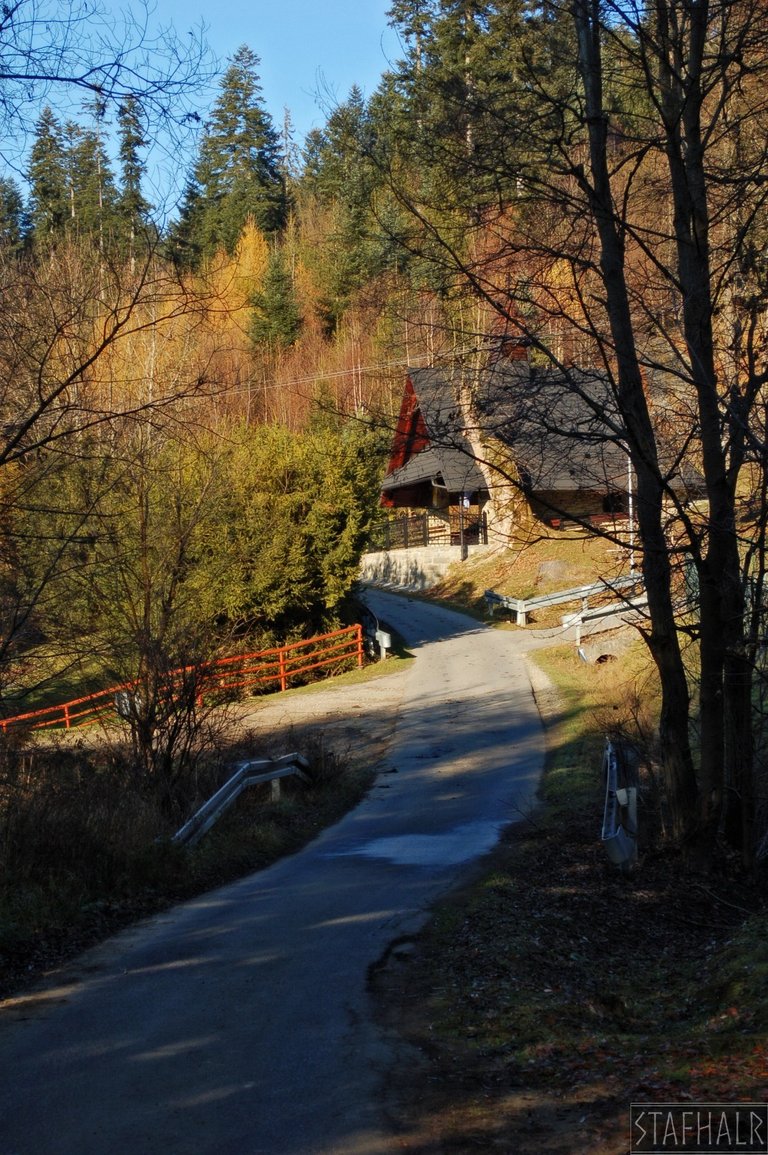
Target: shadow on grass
[
  {"x": 546, "y": 997},
  {"x": 86, "y": 846}
]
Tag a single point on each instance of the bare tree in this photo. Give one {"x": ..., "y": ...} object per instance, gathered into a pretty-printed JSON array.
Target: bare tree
[
  {"x": 627, "y": 152},
  {"x": 62, "y": 51}
]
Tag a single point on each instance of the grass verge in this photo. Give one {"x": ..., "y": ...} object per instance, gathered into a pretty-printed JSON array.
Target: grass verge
[
  {"x": 553, "y": 992},
  {"x": 85, "y": 850}
]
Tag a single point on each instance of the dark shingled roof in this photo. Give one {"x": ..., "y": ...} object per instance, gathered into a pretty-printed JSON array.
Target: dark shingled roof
[
  {"x": 563, "y": 433},
  {"x": 561, "y": 427},
  {"x": 449, "y": 458},
  {"x": 449, "y": 467}
]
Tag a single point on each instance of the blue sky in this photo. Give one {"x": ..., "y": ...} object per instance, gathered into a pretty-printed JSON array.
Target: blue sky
[
  {"x": 309, "y": 50},
  {"x": 311, "y": 54}
]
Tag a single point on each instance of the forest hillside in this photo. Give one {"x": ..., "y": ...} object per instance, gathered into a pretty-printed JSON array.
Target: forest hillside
[{"x": 197, "y": 412}]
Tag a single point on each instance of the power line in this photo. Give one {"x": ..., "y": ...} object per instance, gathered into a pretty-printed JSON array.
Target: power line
[{"x": 315, "y": 378}]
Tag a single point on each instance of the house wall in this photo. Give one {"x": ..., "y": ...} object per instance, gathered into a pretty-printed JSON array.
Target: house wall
[{"x": 576, "y": 504}]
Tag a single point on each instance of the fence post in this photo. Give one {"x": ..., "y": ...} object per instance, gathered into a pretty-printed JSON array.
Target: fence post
[
  {"x": 283, "y": 675},
  {"x": 66, "y": 717},
  {"x": 359, "y": 635}
]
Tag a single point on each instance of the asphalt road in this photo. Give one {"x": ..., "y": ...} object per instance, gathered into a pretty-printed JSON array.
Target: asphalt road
[{"x": 240, "y": 1022}]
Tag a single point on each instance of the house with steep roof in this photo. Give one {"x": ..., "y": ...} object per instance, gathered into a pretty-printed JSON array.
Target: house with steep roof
[
  {"x": 476, "y": 452},
  {"x": 432, "y": 467}
]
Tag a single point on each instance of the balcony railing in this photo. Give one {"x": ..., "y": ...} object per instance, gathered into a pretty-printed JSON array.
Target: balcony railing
[{"x": 458, "y": 526}]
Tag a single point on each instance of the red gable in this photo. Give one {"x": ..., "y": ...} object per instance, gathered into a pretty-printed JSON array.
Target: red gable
[{"x": 411, "y": 434}]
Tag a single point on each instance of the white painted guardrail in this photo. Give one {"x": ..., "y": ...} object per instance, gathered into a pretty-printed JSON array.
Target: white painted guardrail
[
  {"x": 619, "y": 832},
  {"x": 521, "y": 607},
  {"x": 250, "y": 773},
  {"x": 622, "y": 610}
]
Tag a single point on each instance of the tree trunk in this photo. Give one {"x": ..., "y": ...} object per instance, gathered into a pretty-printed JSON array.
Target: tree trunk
[
  {"x": 726, "y": 715},
  {"x": 663, "y": 641}
]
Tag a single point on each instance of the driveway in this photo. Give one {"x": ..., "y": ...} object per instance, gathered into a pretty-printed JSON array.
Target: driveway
[{"x": 240, "y": 1022}]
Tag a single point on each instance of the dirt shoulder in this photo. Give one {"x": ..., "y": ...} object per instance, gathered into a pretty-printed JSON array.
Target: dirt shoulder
[
  {"x": 552, "y": 992},
  {"x": 354, "y": 720}
]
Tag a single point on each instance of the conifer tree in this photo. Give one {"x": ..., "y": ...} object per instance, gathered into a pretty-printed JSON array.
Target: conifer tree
[
  {"x": 71, "y": 182},
  {"x": 132, "y": 206},
  {"x": 92, "y": 192},
  {"x": 47, "y": 176},
  {"x": 276, "y": 320},
  {"x": 340, "y": 175},
  {"x": 13, "y": 221},
  {"x": 239, "y": 168}
]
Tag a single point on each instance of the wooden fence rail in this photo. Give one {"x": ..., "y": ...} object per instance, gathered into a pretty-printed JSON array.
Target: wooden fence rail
[
  {"x": 281, "y": 665},
  {"x": 455, "y": 526}
]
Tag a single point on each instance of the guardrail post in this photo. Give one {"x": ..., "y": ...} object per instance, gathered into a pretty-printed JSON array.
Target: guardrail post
[{"x": 520, "y": 612}]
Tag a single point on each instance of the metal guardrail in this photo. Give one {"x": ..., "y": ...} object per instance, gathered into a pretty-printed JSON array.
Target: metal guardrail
[
  {"x": 378, "y": 641},
  {"x": 637, "y": 603},
  {"x": 584, "y": 617},
  {"x": 247, "y": 774},
  {"x": 619, "y": 831},
  {"x": 521, "y": 607}
]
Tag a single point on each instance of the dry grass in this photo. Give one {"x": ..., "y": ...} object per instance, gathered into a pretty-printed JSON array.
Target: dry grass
[
  {"x": 85, "y": 847},
  {"x": 552, "y": 562},
  {"x": 553, "y": 992}
]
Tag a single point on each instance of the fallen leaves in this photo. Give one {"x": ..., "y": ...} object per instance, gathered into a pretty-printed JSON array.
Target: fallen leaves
[{"x": 570, "y": 982}]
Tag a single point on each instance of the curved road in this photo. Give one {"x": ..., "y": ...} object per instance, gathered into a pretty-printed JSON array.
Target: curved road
[{"x": 239, "y": 1022}]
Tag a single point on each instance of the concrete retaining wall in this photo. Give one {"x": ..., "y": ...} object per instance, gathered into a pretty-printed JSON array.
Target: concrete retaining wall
[{"x": 413, "y": 569}]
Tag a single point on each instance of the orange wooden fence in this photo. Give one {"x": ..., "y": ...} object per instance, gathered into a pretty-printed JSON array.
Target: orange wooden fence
[{"x": 281, "y": 665}]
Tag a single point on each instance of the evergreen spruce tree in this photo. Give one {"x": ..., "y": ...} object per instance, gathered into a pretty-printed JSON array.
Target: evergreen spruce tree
[
  {"x": 340, "y": 175},
  {"x": 13, "y": 221},
  {"x": 412, "y": 19},
  {"x": 239, "y": 172},
  {"x": 470, "y": 70},
  {"x": 132, "y": 207},
  {"x": 72, "y": 188},
  {"x": 290, "y": 153},
  {"x": 277, "y": 319},
  {"x": 92, "y": 192},
  {"x": 47, "y": 176}
]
